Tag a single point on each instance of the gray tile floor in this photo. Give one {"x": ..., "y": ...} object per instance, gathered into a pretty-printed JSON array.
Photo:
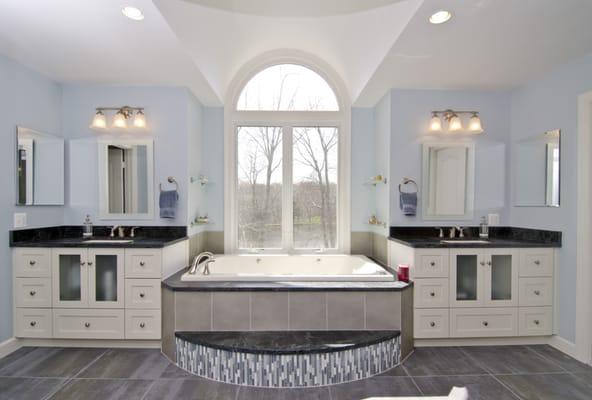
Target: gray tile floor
[{"x": 501, "y": 372}]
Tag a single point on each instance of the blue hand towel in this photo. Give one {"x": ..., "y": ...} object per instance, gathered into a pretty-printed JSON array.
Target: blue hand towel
[
  {"x": 168, "y": 203},
  {"x": 408, "y": 203}
]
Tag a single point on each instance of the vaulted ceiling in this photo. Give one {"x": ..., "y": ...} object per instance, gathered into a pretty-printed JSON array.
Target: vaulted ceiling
[{"x": 373, "y": 45}]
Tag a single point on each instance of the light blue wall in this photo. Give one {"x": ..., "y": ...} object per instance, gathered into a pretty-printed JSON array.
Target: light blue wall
[
  {"x": 411, "y": 112},
  {"x": 545, "y": 104},
  {"x": 213, "y": 165},
  {"x": 171, "y": 114},
  {"x": 383, "y": 120},
  {"x": 363, "y": 197},
  {"x": 195, "y": 150},
  {"x": 33, "y": 101}
]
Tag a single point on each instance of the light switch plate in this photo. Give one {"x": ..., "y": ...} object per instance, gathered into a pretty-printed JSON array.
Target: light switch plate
[{"x": 20, "y": 220}]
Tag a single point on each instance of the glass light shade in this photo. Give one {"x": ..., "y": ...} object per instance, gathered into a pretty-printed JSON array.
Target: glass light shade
[
  {"x": 475, "y": 124},
  {"x": 455, "y": 124},
  {"x": 99, "y": 121},
  {"x": 133, "y": 13},
  {"x": 435, "y": 123},
  {"x": 140, "y": 120},
  {"x": 440, "y": 17},
  {"x": 119, "y": 121}
]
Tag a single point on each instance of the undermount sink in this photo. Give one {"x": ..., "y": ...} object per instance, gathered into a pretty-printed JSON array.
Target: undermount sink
[
  {"x": 461, "y": 241},
  {"x": 108, "y": 241}
]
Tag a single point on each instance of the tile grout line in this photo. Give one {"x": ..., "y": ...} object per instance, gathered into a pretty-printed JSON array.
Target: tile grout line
[
  {"x": 507, "y": 387},
  {"x": 546, "y": 358},
  {"x": 148, "y": 390},
  {"x": 412, "y": 379}
]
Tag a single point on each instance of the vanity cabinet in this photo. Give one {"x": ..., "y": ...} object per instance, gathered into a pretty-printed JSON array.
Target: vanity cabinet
[
  {"x": 479, "y": 292},
  {"x": 92, "y": 293}
]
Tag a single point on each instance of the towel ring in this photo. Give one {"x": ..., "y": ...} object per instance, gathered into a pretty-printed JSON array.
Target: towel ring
[
  {"x": 170, "y": 179},
  {"x": 407, "y": 181}
]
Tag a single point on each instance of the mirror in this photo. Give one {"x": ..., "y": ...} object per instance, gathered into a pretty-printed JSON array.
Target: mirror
[
  {"x": 537, "y": 170},
  {"x": 39, "y": 168},
  {"x": 448, "y": 181},
  {"x": 126, "y": 179}
]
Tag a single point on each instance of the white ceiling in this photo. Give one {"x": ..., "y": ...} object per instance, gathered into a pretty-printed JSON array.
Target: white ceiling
[{"x": 373, "y": 45}]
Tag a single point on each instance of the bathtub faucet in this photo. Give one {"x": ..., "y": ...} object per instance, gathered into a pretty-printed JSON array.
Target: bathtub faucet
[{"x": 205, "y": 258}]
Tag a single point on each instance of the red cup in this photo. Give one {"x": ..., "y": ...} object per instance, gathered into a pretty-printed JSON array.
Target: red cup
[{"x": 403, "y": 272}]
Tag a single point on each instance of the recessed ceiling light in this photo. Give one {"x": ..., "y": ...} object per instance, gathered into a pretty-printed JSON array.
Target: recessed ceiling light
[
  {"x": 133, "y": 13},
  {"x": 440, "y": 17}
]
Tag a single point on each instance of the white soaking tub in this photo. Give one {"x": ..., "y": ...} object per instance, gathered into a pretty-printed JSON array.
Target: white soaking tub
[{"x": 284, "y": 268}]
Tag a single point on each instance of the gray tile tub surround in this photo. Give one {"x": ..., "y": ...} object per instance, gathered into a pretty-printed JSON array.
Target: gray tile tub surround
[{"x": 288, "y": 370}]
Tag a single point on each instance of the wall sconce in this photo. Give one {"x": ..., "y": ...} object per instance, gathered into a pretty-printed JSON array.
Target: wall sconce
[
  {"x": 121, "y": 117},
  {"x": 454, "y": 122}
]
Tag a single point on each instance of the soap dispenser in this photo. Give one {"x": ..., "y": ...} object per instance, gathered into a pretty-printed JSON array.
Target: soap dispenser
[
  {"x": 87, "y": 228},
  {"x": 483, "y": 229}
]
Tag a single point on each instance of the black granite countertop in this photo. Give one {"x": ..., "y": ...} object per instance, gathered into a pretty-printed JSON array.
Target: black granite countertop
[
  {"x": 175, "y": 283},
  {"x": 499, "y": 237},
  {"x": 287, "y": 342},
  {"x": 71, "y": 236}
]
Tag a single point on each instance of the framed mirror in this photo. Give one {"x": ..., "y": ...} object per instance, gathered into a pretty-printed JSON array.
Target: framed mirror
[
  {"x": 39, "y": 168},
  {"x": 537, "y": 170},
  {"x": 448, "y": 181},
  {"x": 126, "y": 179}
]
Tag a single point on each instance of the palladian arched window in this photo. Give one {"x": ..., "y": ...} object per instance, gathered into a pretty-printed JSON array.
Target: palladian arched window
[{"x": 286, "y": 168}]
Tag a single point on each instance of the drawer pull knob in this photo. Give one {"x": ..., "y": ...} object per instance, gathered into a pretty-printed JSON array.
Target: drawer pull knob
[
  {"x": 33, "y": 323},
  {"x": 432, "y": 294},
  {"x": 485, "y": 323},
  {"x": 537, "y": 262},
  {"x": 142, "y": 295},
  {"x": 432, "y": 324},
  {"x": 142, "y": 263},
  {"x": 433, "y": 263},
  {"x": 537, "y": 292},
  {"x": 90, "y": 263},
  {"x": 32, "y": 293},
  {"x": 82, "y": 263},
  {"x": 142, "y": 325},
  {"x": 489, "y": 263},
  {"x": 32, "y": 262},
  {"x": 87, "y": 324},
  {"x": 536, "y": 322}
]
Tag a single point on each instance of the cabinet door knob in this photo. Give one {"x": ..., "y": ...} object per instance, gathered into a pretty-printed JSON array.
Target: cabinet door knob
[
  {"x": 142, "y": 263},
  {"x": 87, "y": 324},
  {"x": 537, "y": 262},
  {"x": 482, "y": 263},
  {"x": 485, "y": 323},
  {"x": 33, "y": 323},
  {"x": 90, "y": 263},
  {"x": 537, "y": 292},
  {"x": 142, "y": 295},
  {"x": 32, "y": 262},
  {"x": 489, "y": 263},
  {"x": 82, "y": 263},
  {"x": 432, "y": 294},
  {"x": 432, "y": 324},
  {"x": 433, "y": 263},
  {"x": 142, "y": 325},
  {"x": 536, "y": 322},
  {"x": 32, "y": 293}
]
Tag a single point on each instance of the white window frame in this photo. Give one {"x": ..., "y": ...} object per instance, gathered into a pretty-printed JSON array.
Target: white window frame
[{"x": 233, "y": 119}]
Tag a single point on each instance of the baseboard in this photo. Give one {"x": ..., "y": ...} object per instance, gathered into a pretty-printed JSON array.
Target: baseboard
[
  {"x": 9, "y": 346},
  {"x": 501, "y": 341},
  {"x": 132, "y": 344},
  {"x": 566, "y": 347}
]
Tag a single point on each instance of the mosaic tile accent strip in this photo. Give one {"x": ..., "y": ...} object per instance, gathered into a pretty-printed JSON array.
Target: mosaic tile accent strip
[{"x": 288, "y": 370}]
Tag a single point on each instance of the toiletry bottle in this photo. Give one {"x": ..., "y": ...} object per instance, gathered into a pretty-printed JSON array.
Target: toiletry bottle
[
  {"x": 483, "y": 229},
  {"x": 87, "y": 228}
]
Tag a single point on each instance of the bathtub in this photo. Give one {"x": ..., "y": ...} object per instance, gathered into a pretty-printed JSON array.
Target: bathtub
[{"x": 283, "y": 268}]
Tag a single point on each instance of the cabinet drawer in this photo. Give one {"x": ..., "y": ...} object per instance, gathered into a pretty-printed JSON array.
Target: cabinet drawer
[
  {"x": 31, "y": 262},
  {"x": 33, "y": 323},
  {"x": 535, "y": 292},
  {"x": 536, "y": 262},
  {"x": 32, "y": 292},
  {"x": 431, "y": 323},
  {"x": 431, "y": 292},
  {"x": 88, "y": 324},
  {"x": 142, "y": 293},
  {"x": 535, "y": 321},
  {"x": 483, "y": 322},
  {"x": 142, "y": 324},
  {"x": 430, "y": 264},
  {"x": 143, "y": 263}
]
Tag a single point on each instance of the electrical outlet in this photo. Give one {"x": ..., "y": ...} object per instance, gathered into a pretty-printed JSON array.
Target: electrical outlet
[{"x": 20, "y": 220}]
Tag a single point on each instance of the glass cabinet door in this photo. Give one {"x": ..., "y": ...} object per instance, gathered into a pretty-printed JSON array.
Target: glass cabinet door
[
  {"x": 106, "y": 276},
  {"x": 501, "y": 278},
  {"x": 465, "y": 278},
  {"x": 70, "y": 278}
]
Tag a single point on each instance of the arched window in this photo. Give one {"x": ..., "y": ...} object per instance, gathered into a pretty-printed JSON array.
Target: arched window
[
  {"x": 286, "y": 149},
  {"x": 287, "y": 87}
]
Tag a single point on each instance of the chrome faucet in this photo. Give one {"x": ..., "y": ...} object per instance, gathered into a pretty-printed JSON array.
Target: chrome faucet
[
  {"x": 461, "y": 231},
  {"x": 452, "y": 232},
  {"x": 199, "y": 259},
  {"x": 115, "y": 228},
  {"x": 133, "y": 231}
]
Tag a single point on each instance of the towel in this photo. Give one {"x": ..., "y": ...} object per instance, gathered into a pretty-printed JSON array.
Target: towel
[
  {"x": 408, "y": 203},
  {"x": 168, "y": 203}
]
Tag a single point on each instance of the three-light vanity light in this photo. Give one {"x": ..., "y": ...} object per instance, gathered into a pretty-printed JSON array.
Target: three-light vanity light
[
  {"x": 121, "y": 117},
  {"x": 455, "y": 124}
]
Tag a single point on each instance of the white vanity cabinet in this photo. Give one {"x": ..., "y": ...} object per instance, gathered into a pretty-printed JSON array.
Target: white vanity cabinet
[
  {"x": 479, "y": 292},
  {"x": 92, "y": 293}
]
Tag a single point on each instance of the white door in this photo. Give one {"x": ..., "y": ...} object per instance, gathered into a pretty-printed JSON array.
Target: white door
[
  {"x": 466, "y": 281},
  {"x": 70, "y": 278},
  {"x": 500, "y": 276},
  {"x": 106, "y": 278}
]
